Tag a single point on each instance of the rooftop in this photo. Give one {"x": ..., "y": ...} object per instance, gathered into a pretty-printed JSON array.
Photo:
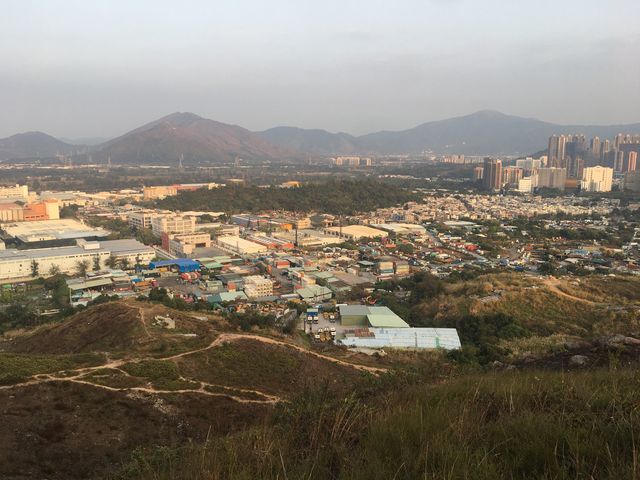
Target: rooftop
[{"x": 45, "y": 230}]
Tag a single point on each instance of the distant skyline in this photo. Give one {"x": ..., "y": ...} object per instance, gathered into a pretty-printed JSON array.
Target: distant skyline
[{"x": 100, "y": 68}]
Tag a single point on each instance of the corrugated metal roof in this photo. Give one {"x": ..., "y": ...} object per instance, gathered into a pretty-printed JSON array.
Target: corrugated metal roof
[{"x": 426, "y": 338}]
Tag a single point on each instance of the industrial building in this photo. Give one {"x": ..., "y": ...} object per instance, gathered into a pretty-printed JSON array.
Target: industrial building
[
  {"x": 314, "y": 293},
  {"x": 163, "y": 191},
  {"x": 15, "y": 264},
  {"x": 356, "y": 232},
  {"x": 30, "y": 212},
  {"x": 400, "y": 229},
  {"x": 183, "y": 245},
  {"x": 15, "y": 192},
  {"x": 365, "y": 316},
  {"x": 409, "y": 338},
  {"x": 240, "y": 245},
  {"x": 52, "y": 232}
]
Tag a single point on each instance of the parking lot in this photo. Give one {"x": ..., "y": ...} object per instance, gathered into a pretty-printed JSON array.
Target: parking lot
[{"x": 325, "y": 322}]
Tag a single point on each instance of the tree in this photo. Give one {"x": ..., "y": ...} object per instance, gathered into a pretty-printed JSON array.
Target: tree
[
  {"x": 111, "y": 262},
  {"x": 82, "y": 267},
  {"x": 96, "y": 262},
  {"x": 406, "y": 248},
  {"x": 54, "y": 270},
  {"x": 124, "y": 263},
  {"x": 35, "y": 266}
]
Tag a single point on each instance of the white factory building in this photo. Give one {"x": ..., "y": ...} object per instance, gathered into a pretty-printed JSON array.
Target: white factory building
[
  {"x": 240, "y": 245},
  {"x": 17, "y": 264},
  {"x": 355, "y": 232}
]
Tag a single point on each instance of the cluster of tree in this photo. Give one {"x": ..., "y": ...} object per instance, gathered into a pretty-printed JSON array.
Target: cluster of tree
[
  {"x": 339, "y": 197},
  {"x": 22, "y": 312},
  {"x": 479, "y": 334},
  {"x": 121, "y": 229}
]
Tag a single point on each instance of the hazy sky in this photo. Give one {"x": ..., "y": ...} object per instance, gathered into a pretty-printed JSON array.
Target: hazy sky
[{"x": 100, "y": 67}]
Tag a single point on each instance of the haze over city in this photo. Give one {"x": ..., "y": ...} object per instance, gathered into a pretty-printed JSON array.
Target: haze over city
[
  {"x": 346, "y": 240},
  {"x": 100, "y": 68}
]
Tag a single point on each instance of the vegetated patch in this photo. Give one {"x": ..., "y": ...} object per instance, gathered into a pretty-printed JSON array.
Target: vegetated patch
[
  {"x": 244, "y": 394},
  {"x": 274, "y": 369},
  {"x": 16, "y": 368},
  {"x": 162, "y": 374},
  {"x": 115, "y": 327},
  {"x": 618, "y": 290},
  {"x": 70, "y": 431},
  {"x": 491, "y": 425},
  {"x": 112, "y": 377}
]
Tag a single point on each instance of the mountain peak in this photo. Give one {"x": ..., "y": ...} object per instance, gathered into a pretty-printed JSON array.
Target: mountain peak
[
  {"x": 489, "y": 114},
  {"x": 181, "y": 118}
]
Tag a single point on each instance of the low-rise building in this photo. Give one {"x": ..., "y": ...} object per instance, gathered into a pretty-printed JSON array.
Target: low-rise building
[
  {"x": 240, "y": 245},
  {"x": 183, "y": 245},
  {"x": 355, "y": 232},
  {"x": 171, "y": 223},
  {"x": 256, "y": 286},
  {"x": 15, "y": 264},
  {"x": 141, "y": 219}
]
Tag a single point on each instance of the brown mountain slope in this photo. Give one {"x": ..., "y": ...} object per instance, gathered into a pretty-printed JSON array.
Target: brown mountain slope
[
  {"x": 197, "y": 139},
  {"x": 114, "y": 327}
]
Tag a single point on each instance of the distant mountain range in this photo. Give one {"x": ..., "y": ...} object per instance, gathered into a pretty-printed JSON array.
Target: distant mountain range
[
  {"x": 482, "y": 133},
  {"x": 201, "y": 140}
]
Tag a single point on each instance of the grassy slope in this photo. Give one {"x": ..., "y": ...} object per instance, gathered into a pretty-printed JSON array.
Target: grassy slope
[{"x": 509, "y": 425}]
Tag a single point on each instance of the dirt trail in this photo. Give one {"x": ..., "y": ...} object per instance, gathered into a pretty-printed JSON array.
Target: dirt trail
[
  {"x": 553, "y": 284},
  {"x": 49, "y": 378},
  {"x": 83, "y": 372},
  {"x": 232, "y": 337}
]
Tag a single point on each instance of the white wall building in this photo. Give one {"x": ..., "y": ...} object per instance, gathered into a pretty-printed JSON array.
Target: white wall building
[
  {"x": 527, "y": 184},
  {"x": 172, "y": 224},
  {"x": 597, "y": 179},
  {"x": 17, "y": 192},
  {"x": 355, "y": 232},
  {"x": 142, "y": 218},
  {"x": 17, "y": 264},
  {"x": 240, "y": 245}
]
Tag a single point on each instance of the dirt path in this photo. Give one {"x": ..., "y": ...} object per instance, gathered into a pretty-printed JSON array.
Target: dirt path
[
  {"x": 83, "y": 372},
  {"x": 233, "y": 337},
  {"x": 553, "y": 284},
  {"x": 201, "y": 390}
]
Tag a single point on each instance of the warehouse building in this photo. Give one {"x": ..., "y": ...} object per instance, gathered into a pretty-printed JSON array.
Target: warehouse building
[
  {"x": 365, "y": 316},
  {"x": 53, "y": 232},
  {"x": 400, "y": 229},
  {"x": 240, "y": 245},
  {"x": 356, "y": 232},
  {"x": 183, "y": 245},
  {"x": 17, "y": 264},
  {"x": 407, "y": 338}
]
